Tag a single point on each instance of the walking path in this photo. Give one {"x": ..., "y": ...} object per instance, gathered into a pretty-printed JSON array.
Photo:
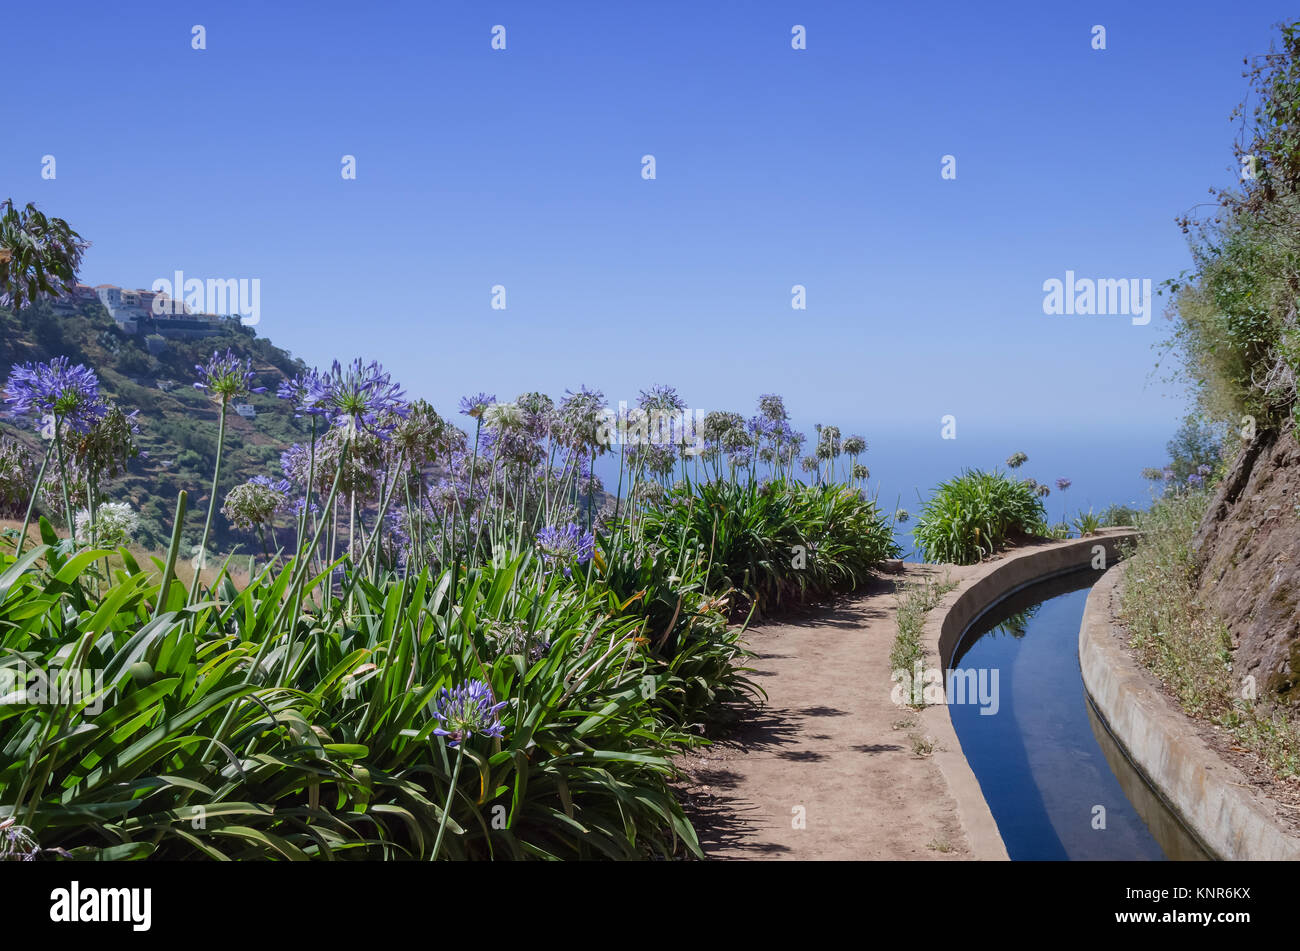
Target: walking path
[{"x": 828, "y": 746}]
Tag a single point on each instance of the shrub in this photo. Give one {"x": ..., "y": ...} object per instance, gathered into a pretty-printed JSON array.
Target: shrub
[
  {"x": 777, "y": 544},
  {"x": 970, "y": 516},
  {"x": 1116, "y": 515},
  {"x": 1086, "y": 523}
]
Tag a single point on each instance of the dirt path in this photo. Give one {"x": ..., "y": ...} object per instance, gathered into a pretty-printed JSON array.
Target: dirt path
[{"x": 829, "y": 740}]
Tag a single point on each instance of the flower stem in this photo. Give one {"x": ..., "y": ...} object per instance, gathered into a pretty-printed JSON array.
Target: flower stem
[
  {"x": 212, "y": 503},
  {"x": 31, "y": 502},
  {"x": 446, "y": 810},
  {"x": 63, "y": 477}
]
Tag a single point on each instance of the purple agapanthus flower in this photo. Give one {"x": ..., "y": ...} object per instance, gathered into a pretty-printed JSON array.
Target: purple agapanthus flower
[
  {"x": 363, "y": 396},
  {"x": 661, "y": 397},
  {"x": 566, "y": 543},
  {"x": 467, "y": 710},
  {"x": 55, "y": 391},
  {"x": 226, "y": 377},
  {"x": 474, "y": 406},
  {"x": 1063, "y": 484},
  {"x": 283, "y": 486},
  {"x": 307, "y": 391},
  {"x": 297, "y": 505},
  {"x": 1203, "y": 471},
  {"x": 1195, "y": 480}
]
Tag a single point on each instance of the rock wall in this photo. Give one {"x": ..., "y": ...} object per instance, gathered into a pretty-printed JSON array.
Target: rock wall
[{"x": 1248, "y": 558}]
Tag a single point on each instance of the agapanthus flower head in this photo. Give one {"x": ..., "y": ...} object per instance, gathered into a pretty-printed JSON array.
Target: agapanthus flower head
[
  {"x": 18, "y": 843},
  {"x": 78, "y": 486},
  {"x": 649, "y": 492},
  {"x": 566, "y": 543},
  {"x": 1152, "y": 474},
  {"x": 56, "y": 392},
  {"x": 582, "y": 416},
  {"x": 539, "y": 412},
  {"x": 115, "y": 524},
  {"x": 109, "y": 444},
  {"x": 308, "y": 391},
  {"x": 1016, "y": 460},
  {"x": 422, "y": 436},
  {"x": 861, "y": 472},
  {"x": 467, "y": 710},
  {"x": 362, "y": 397},
  {"x": 855, "y": 445},
  {"x": 475, "y": 405},
  {"x": 227, "y": 377},
  {"x": 662, "y": 398},
  {"x": 17, "y": 475},
  {"x": 760, "y": 427},
  {"x": 255, "y": 503},
  {"x": 720, "y": 426},
  {"x": 1195, "y": 480},
  {"x": 773, "y": 407},
  {"x": 1043, "y": 491},
  {"x": 742, "y": 458},
  {"x": 901, "y": 516},
  {"x": 1063, "y": 484},
  {"x": 809, "y": 463},
  {"x": 829, "y": 445},
  {"x": 1203, "y": 470},
  {"x": 297, "y": 505},
  {"x": 657, "y": 460},
  {"x": 283, "y": 486},
  {"x": 503, "y": 418}
]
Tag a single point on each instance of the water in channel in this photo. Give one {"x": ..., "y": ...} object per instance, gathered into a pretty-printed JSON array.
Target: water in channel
[{"x": 1044, "y": 760}]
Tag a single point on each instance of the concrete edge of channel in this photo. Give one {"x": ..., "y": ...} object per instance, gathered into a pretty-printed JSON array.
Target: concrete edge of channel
[
  {"x": 1211, "y": 797},
  {"x": 981, "y": 588}
]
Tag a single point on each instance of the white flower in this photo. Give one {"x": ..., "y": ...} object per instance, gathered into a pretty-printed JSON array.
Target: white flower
[{"x": 115, "y": 524}]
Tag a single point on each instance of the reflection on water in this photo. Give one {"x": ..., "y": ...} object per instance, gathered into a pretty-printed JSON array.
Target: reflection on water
[{"x": 1054, "y": 779}]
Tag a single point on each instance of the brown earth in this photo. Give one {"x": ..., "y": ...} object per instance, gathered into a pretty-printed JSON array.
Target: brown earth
[
  {"x": 828, "y": 740},
  {"x": 1248, "y": 553}
]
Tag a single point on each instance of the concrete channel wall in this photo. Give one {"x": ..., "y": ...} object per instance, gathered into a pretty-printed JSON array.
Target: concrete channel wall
[
  {"x": 1210, "y": 796},
  {"x": 979, "y": 588}
]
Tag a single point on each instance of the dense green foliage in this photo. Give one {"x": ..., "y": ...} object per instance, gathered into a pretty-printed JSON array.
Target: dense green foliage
[
  {"x": 777, "y": 543},
  {"x": 970, "y": 516},
  {"x": 228, "y": 728},
  {"x": 1236, "y": 336}
]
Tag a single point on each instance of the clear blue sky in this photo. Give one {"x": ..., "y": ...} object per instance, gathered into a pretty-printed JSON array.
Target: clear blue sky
[{"x": 775, "y": 167}]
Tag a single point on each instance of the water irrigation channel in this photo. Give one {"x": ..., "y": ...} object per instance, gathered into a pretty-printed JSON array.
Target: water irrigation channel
[{"x": 1057, "y": 783}]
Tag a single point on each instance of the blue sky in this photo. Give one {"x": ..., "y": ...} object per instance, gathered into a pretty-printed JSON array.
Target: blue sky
[{"x": 775, "y": 167}]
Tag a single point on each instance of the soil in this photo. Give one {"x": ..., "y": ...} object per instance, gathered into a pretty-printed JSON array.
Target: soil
[
  {"x": 828, "y": 745},
  {"x": 1248, "y": 557}
]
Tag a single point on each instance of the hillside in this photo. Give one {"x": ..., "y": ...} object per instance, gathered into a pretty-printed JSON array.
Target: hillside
[
  {"x": 178, "y": 435},
  {"x": 1248, "y": 562}
]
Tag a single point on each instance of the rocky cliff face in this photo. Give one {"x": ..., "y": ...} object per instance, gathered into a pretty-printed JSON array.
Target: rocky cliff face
[{"x": 1248, "y": 557}]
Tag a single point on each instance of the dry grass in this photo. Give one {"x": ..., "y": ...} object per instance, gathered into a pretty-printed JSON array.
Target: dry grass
[
  {"x": 915, "y": 601},
  {"x": 1185, "y": 645}
]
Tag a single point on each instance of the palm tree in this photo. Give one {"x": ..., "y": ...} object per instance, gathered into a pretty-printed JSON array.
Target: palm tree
[{"x": 39, "y": 256}]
